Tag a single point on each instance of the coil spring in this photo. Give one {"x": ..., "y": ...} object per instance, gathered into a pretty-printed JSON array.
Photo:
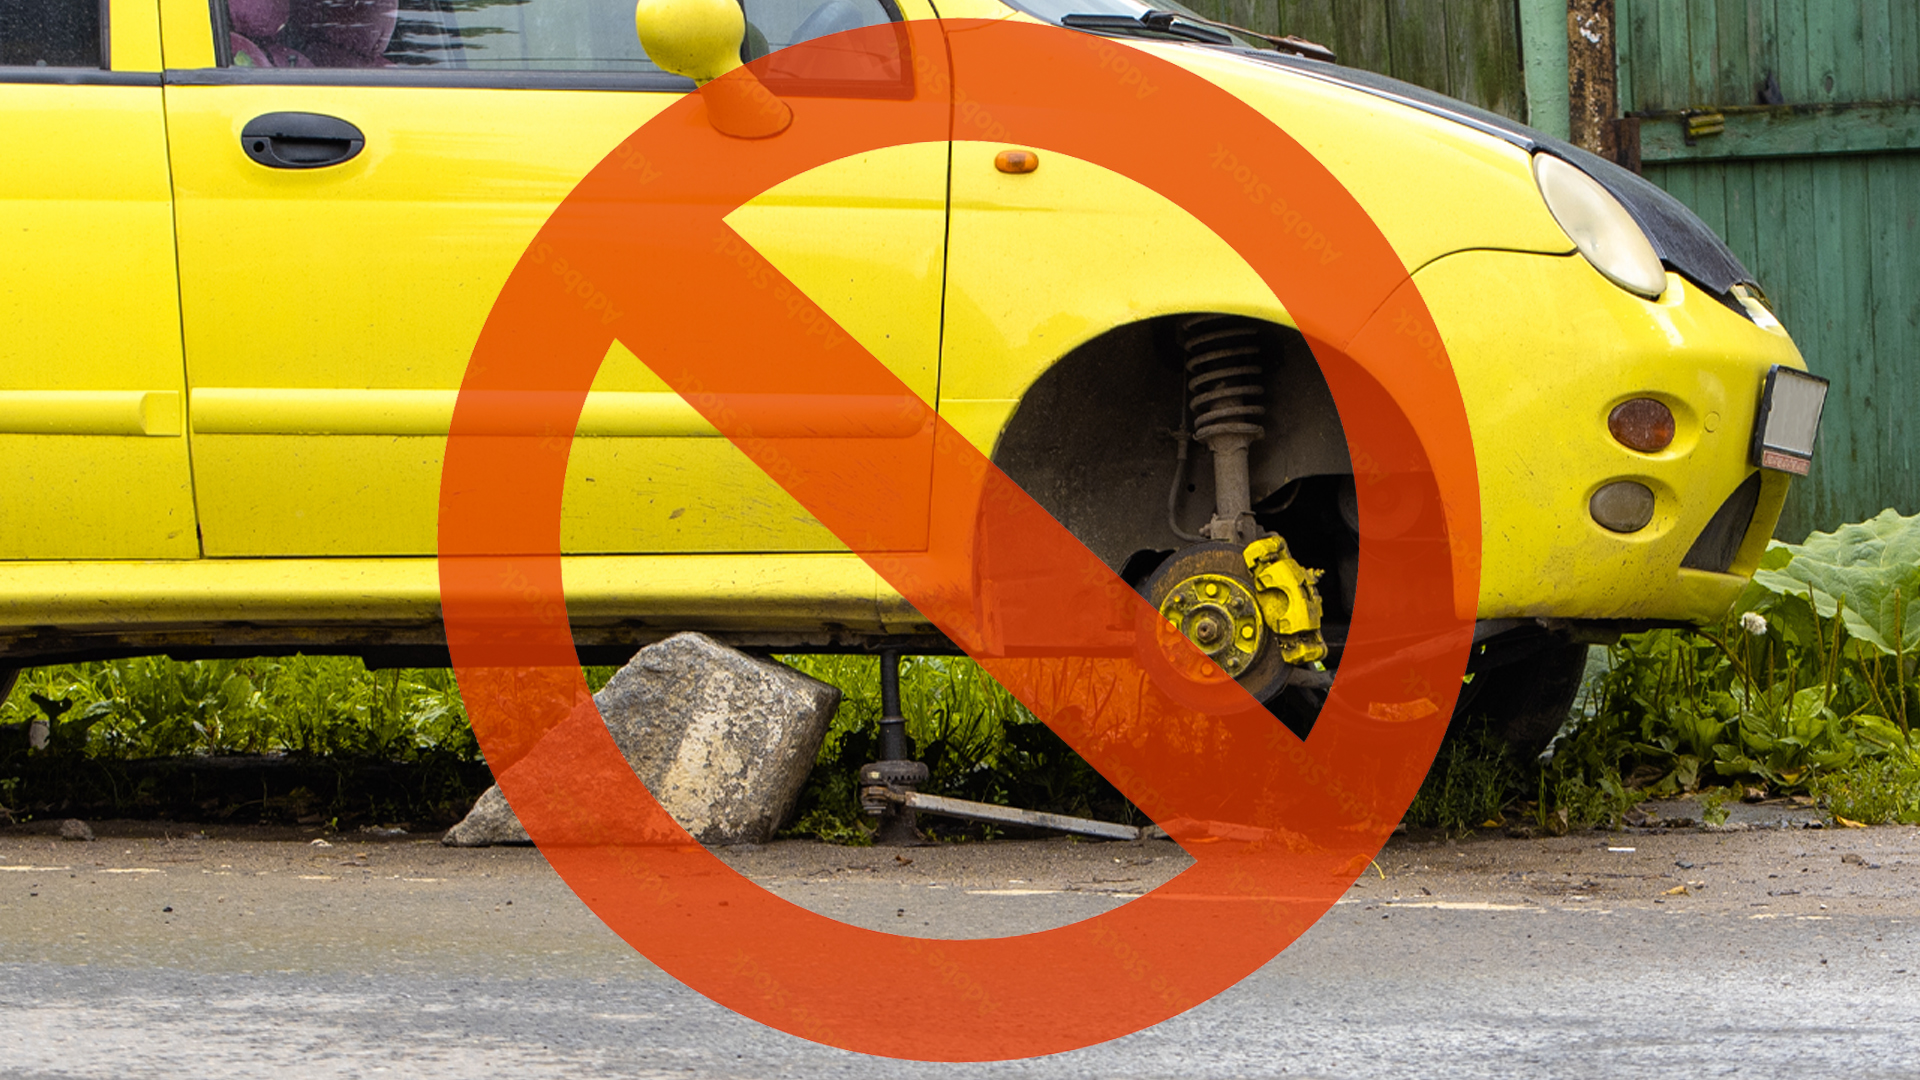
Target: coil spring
[{"x": 1223, "y": 375}]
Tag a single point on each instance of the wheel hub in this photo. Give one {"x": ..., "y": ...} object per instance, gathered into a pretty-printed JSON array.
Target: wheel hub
[
  {"x": 1211, "y": 598},
  {"x": 1220, "y": 616}
]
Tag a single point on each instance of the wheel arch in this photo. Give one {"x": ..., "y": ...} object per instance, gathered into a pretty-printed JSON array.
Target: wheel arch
[{"x": 1094, "y": 438}]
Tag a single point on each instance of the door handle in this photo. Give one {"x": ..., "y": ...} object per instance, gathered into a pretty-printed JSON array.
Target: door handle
[{"x": 297, "y": 140}]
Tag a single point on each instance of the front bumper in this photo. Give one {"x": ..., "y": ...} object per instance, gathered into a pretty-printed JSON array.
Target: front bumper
[{"x": 1544, "y": 348}]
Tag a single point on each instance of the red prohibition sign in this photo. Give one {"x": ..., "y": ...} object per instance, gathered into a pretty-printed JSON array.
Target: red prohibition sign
[{"x": 645, "y": 233}]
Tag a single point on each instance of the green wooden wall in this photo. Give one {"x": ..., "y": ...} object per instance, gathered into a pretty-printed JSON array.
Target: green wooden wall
[
  {"x": 1820, "y": 196},
  {"x": 1469, "y": 49},
  {"x": 1680, "y": 53}
]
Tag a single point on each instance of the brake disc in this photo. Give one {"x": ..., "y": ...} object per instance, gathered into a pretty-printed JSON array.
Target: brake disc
[{"x": 1206, "y": 595}]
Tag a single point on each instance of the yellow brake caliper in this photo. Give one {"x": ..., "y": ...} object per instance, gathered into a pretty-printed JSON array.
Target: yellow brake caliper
[{"x": 1288, "y": 600}]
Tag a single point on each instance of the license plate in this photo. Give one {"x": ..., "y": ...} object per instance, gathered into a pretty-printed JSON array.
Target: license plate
[{"x": 1789, "y": 420}]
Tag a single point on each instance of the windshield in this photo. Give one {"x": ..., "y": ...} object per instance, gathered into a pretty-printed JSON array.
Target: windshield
[{"x": 1054, "y": 10}]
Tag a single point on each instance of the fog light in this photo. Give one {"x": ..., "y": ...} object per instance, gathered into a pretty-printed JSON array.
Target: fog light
[
  {"x": 1642, "y": 424},
  {"x": 1624, "y": 506}
]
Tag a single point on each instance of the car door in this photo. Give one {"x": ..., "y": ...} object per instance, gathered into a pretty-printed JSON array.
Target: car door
[
  {"x": 329, "y": 310},
  {"x": 93, "y": 462}
]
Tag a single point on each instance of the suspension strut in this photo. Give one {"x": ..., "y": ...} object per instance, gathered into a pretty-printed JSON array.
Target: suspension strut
[
  {"x": 1224, "y": 367},
  {"x": 1242, "y": 599}
]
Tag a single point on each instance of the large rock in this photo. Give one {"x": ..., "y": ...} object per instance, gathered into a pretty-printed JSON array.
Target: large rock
[
  {"x": 491, "y": 821},
  {"x": 722, "y": 740}
]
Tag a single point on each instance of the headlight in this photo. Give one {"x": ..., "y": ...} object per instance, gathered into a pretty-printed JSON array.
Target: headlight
[{"x": 1600, "y": 227}]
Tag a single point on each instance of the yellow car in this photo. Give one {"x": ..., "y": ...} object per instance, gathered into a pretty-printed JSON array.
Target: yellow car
[{"x": 249, "y": 246}]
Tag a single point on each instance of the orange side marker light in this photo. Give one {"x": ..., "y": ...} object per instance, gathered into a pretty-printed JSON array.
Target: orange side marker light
[{"x": 1016, "y": 161}]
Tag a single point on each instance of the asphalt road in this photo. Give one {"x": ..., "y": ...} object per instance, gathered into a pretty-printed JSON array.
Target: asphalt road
[{"x": 1791, "y": 953}]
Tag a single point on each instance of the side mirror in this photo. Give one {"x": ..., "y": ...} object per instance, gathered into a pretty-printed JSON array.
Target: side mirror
[{"x": 701, "y": 40}]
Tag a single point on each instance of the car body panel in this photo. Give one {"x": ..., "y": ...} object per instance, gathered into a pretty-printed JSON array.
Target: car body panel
[
  {"x": 92, "y": 391},
  {"x": 1432, "y": 186},
  {"x": 1044, "y": 262},
  {"x": 329, "y": 314},
  {"x": 134, "y": 38},
  {"x": 1538, "y": 391},
  {"x": 363, "y": 279},
  {"x": 186, "y": 34},
  {"x": 864, "y": 239}
]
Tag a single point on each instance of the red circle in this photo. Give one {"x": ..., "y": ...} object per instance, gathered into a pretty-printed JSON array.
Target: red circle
[{"x": 1278, "y": 827}]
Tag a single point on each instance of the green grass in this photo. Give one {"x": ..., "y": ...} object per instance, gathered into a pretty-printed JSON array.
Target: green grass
[
  {"x": 323, "y": 706},
  {"x": 1471, "y": 783},
  {"x": 334, "y": 742},
  {"x": 1873, "y": 793}
]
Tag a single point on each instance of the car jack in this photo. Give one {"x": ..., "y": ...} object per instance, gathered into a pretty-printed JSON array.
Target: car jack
[
  {"x": 895, "y": 772},
  {"x": 889, "y": 787}
]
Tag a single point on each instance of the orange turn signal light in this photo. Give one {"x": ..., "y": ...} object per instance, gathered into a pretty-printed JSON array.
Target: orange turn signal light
[
  {"x": 1642, "y": 424},
  {"x": 1016, "y": 161}
]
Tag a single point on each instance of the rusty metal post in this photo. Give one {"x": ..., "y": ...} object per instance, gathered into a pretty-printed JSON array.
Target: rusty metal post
[{"x": 1593, "y": 91}]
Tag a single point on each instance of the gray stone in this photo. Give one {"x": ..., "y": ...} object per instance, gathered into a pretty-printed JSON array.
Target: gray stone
[
  {"x": 723, "y": 741},
  {"x": 75, "y": 829},
  {"x": 491, "y": 821}
]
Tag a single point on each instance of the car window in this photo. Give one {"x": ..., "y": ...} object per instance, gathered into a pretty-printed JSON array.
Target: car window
[
  {"x": 50, "y": 33},
  {"x": 496, "y": 35}
]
